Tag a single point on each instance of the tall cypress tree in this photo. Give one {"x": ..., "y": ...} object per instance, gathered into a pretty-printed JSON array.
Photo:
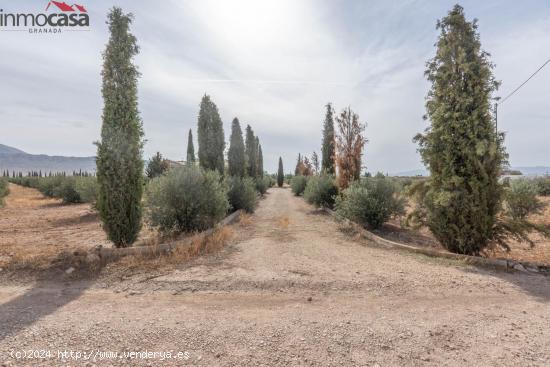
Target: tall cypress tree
[
  {"x": 280, "y": 173},
  {"x": 257, "y": 156},
  {"x": 328, "y": 148},
  {"x": 298, "y": 170},
  {"x": 250, "y": 150},
  {"x": 235, "y": 156},
  {"x": 315, "y": 162},
  {"x": 260, "y": 161},
  {"x": 190, "y": 149},
  {"x": 119, "y": 153},
  {"x": 210, "y": 136},
  {"x": 461, "y": 148}
]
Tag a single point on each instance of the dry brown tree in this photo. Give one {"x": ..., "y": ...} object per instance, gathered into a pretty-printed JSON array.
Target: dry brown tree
[{"x": 349, "y": 147}]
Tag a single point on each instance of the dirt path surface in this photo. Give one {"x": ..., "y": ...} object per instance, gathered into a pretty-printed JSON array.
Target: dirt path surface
[{"x": 291, "y": 289}]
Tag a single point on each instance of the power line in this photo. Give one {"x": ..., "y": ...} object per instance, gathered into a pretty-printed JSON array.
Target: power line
[
  {"x": 513, "y": 92},
  {"x": 525, "y": 82}
]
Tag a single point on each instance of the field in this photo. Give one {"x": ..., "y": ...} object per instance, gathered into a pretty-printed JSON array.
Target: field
[
  {"x": 539, "y": 253},
  {"x": 34, "y": 229}
]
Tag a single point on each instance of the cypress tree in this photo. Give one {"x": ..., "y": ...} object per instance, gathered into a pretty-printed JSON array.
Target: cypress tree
[
  {"x": 298, "y": 170},
  {"x": 250, "y": 150},
  {"x": 210, "y": 136},
  {"x": 315, "y": 162},
  {"x": 260, "y": 162},
  {"x": 190, "y": 149},
  {"x": 156, "y": 166},
  {"x": 257, "y": 156},
  {"x": 280, "y": 173},
  {"x": 461, "y": 148},
  {"x": 119, "y": 153},
  {"x": 235, "y": 156},
  {"x": 328, "y": 148}
]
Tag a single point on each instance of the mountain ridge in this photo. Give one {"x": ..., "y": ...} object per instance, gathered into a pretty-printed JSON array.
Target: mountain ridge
[
  {"x": 16, "y": 160},
  {"x": 525, "y": 170},
  {"x": 5, "y": 149}
]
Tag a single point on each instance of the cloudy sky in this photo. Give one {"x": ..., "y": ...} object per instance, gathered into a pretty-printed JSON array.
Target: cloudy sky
[{"x": 274, "y": 64}]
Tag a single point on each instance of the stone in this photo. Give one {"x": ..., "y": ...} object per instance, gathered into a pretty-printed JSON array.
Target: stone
[
  {"x": 519, "y": 267},
  {"x": 70, "y": 270},
  {"x": 92, "y": 259}
]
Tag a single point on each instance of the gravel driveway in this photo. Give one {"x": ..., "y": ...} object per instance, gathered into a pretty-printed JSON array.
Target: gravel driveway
[{"x": 291, "y": 289}]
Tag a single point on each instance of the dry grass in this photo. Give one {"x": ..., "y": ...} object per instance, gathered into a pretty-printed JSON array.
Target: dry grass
[
  {"x": 540, "y": 252},
  {"x": 283, "y": 222},
  {"x": 188, "y": 249},
  {"x": 35, "y": 230},
  {"x": 245, "y": 219}
]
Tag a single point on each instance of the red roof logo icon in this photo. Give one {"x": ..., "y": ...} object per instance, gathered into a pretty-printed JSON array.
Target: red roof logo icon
[{"x": 64, "y": 7}]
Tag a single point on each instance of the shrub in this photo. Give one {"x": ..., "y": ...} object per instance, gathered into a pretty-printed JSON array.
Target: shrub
[
  {"x": 156, "y": 166},
  {"x": 49, "y": 185},
  {"x": 370, "y": 201},
  {"x": 71, "y": 189},
  {"x": 298, "y": 184},
  {"x": 262, "y": 184},
  {"x": 241, "y": 193},
  {"x": 543, "y": 186},
  {"x": 521, "y": 199},
  {"x": 87, "y": 188},
  {"x": 4, "y": 190},
  {"x": 66, "y": 191},
  {"x": 186, "y": 199},
  {"x": 270, "y": 180},
  {"x": 321, "y": 191}
]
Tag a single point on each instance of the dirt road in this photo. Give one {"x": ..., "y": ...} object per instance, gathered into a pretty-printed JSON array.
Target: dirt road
[{"x": 292, "y": 289}]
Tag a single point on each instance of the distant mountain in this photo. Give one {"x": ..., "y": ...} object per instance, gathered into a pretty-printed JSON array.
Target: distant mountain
[
  {"x": 13, "y": 159},
  {"x": 412, "y": 173},
  {"x": 533, "y": 171},
  {"x": 4, "y": 149},
  {"x": 525, "y": 171}
]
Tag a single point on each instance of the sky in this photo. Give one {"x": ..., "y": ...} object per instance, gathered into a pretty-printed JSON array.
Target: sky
[{"x": 274, "y": 64}]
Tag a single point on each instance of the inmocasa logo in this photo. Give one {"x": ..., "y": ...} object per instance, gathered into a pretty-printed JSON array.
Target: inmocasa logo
[{"x": 58, "y": 16}]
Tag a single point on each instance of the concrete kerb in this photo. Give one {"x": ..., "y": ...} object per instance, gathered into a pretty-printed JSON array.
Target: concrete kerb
[{"x": 503, "y": 264}]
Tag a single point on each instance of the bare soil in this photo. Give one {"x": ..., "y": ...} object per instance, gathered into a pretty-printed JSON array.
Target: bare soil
[
  {"x": 292, "y": 288},
  {"x": 34, "y": 229},
  {"x": 539, "y": 252}
]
